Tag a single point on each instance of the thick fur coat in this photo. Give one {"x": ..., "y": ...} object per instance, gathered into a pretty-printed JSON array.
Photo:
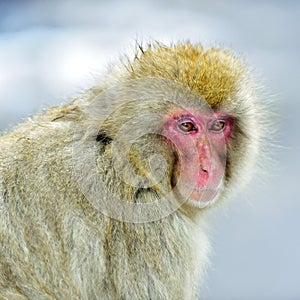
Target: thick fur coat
[{"x": 55, "y": 244}]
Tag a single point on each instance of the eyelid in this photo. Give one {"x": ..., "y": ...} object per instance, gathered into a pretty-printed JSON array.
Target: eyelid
[
  {"x": 227, "y": 119},
  {"x": 184, "y": 118}
]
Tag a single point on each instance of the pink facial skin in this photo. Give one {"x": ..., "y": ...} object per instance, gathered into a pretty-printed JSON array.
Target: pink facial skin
[{"x": 200, "y": 140}]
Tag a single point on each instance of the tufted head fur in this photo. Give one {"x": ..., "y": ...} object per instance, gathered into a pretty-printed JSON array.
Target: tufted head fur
[{"x": 213, "y": 73}]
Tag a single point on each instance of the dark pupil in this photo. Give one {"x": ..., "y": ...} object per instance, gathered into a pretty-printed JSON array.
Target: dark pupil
[{"x": 187, "y": 126}]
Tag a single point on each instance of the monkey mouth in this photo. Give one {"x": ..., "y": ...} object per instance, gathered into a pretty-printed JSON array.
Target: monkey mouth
[
  {"x": 197, "y": 194},
  {"x": 201, "y": 195}
]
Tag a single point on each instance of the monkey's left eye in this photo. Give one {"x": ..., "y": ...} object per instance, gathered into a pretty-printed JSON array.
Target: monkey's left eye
[
  {"x": 218, "y": 126},
  {"x": 187, "y": 127}
]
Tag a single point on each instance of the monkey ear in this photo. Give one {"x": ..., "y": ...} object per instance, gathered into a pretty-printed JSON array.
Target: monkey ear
[{"x": 103, "y": 138}]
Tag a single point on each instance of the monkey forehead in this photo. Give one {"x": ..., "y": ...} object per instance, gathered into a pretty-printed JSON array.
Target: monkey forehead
[
  {"x": 213, "y": 73},
  {"x": 200, "y": 116}
]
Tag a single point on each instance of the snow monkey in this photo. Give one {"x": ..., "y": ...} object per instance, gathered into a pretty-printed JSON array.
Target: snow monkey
[{"x": 106, "y": 197}]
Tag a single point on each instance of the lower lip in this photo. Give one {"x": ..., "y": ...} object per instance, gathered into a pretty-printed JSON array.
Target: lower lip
[
  {"x": 199, "y": 195},
  {"x": 203, "y": 195}
]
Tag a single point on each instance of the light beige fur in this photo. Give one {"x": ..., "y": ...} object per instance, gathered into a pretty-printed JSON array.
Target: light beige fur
[{"x": 54, "y": 244}]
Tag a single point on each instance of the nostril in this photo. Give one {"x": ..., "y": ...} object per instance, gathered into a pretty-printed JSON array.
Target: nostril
[
  {"x": 203, "y": 170},
  {"x": 203, "y": 177}
]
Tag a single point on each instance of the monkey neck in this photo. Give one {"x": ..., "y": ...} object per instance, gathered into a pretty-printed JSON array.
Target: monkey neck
[{"x": 164, "y": 251}]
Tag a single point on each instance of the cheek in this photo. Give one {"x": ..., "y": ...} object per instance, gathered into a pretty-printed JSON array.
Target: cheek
[
  {"x": 227, "y": 133},
  {"x": 178, "y": 141},
  {"x": 221, "y": 141}
]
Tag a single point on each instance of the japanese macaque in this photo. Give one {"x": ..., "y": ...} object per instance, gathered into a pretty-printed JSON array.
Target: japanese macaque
[{"x": 106, "y": 197}]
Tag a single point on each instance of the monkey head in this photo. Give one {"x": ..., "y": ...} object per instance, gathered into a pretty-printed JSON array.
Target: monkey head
[{"x": 175, "y": 126}]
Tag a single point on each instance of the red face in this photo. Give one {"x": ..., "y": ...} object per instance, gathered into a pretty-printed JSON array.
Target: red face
[{"x": 200, "y": 140}]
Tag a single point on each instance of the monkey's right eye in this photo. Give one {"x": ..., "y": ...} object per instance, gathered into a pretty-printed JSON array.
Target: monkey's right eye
[{"x": 187, "y": 127}]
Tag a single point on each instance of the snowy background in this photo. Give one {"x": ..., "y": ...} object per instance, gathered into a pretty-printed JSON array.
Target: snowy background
[{"x": 51, "y": 50}]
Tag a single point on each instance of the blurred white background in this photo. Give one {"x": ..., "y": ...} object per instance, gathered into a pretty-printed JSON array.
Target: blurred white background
[{"x": 51, "y": 50}]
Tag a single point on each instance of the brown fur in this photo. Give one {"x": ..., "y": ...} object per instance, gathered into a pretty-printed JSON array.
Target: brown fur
[
  {"x": 54, "y": 244},
  {"x": 213, "y": 73}
]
